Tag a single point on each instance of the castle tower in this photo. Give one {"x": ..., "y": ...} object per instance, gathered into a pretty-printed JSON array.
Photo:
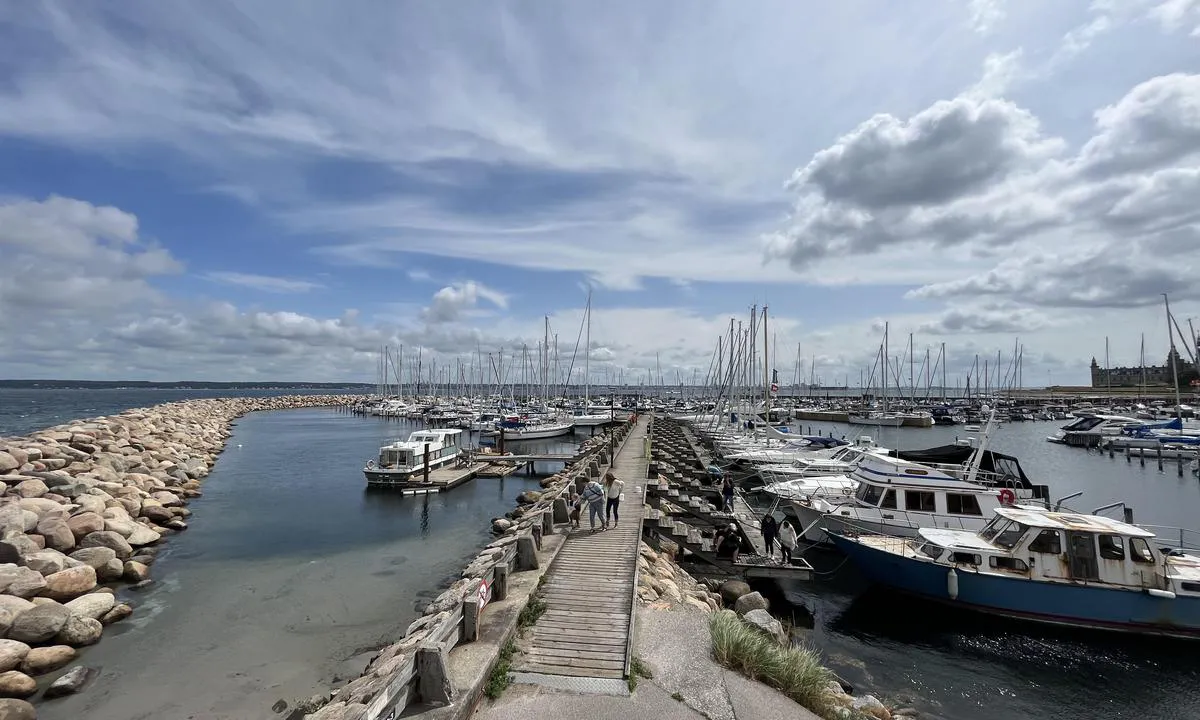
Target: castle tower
[{"x": 1097, "y": 379}]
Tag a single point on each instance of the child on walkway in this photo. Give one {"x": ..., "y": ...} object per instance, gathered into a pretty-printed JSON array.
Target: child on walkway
[{"x": 576, "y": 506}]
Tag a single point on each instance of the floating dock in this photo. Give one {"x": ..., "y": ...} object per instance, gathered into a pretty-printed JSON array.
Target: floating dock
[{"x": 440, "y": 480}]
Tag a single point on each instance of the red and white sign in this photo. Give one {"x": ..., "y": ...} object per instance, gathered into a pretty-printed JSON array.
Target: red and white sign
[
  {"x": 774, "y": 387},
  {"x": 485, "y": 593}
]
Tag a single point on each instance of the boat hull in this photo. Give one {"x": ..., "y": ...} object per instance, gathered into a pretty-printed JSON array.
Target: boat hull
[
  {"x": 1055, "y": 603},
  {"x": 533, "y": 433},
  {"x": 819, "y": 525},
  {"x": 878, "y": 421}
]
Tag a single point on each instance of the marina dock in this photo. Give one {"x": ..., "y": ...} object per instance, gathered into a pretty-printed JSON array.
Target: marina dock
[{"x": 586, "y": 630}]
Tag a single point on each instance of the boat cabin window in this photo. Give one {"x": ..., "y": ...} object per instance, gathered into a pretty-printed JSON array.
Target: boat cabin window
[
  {"x": 1001, "y": 562},
  {"x": 1139, "y": 551},
  {"x": 889, "y": 500},
  {"x": 870, "y": 494},
  {"x": 964, "y": 558},
  {"x": 931, "y": 550},
  {"x": 1048, "y": 542},
  {"x": 1190, "y": 587},
  {"x": 957, "y": 504},
  {"x": 989, "y": 531},
  {"x": 1111, "y": 547},
  {"x": 1007, "y": 535},
  {"x": 919, "y": 500}
]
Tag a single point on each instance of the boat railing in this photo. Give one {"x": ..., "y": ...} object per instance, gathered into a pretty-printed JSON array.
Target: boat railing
[
  {"x": 1185, "y": 538},
  {"x": 913, "y": 520}
]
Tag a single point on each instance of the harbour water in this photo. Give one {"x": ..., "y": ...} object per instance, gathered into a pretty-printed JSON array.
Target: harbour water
[
  {"x": 962, "y": 665},
  {"x": 291, "y": 573}
]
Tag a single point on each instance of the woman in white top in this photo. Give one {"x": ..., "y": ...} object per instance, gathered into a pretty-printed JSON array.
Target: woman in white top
[
  {"x": 612, "y": 489},
  {"x": 787, "y": 541}
]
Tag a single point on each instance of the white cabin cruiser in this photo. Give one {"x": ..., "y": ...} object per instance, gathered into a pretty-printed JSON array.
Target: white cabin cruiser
[
  {"x": 400, "y": 461},
  {"x": 1090, "y": 429}
]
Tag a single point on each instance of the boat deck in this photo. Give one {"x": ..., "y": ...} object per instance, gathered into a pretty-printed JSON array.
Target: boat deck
[
  {"x": 586, "y": 630},
  {"x": 440, "y": 480}
]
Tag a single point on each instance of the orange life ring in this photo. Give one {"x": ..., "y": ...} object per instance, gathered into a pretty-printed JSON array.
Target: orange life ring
[{"x": 1007, "y": 497}]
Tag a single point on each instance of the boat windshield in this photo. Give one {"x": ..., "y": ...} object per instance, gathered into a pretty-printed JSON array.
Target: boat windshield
[
  {"x": 931, "y": 550},
  {"x": 870, "y": 494},
  {"x": 1003, "y": 532}
]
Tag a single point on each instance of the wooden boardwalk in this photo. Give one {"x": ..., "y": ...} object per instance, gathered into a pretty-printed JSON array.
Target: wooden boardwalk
[{"x": 587, "y": 627}]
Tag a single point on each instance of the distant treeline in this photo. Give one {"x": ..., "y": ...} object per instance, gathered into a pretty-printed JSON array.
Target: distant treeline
[{"x": 179, "y": 385}]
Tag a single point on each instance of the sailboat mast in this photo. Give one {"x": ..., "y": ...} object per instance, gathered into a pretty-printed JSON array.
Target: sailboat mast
[
  {"x": 1173, "y": 354},
  {"x": 587, "y": 354},
  {"x": 766, "y": 370}
]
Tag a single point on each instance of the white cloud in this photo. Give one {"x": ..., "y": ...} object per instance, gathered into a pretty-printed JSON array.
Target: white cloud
[
  {"x": 985, "y": 14},
  {"x": 454, "y": 302},
  {"x": 264, "y": 283}
]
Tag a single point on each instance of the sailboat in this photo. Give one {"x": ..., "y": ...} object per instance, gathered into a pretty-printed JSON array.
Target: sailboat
[{"x": 584, "y": 417}]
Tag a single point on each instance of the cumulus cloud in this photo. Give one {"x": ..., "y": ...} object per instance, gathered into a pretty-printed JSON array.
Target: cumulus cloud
[{"x": 453, "y": 302}]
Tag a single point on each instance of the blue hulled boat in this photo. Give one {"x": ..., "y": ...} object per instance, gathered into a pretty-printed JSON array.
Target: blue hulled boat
[{"x": 1053, "y": 567}]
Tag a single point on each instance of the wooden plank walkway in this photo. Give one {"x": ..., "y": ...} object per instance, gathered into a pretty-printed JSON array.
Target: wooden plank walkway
[{"x": 587, "y": 627}]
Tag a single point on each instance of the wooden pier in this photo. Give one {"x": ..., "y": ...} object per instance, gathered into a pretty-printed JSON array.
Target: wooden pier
[{"x": 586, "y": 630}]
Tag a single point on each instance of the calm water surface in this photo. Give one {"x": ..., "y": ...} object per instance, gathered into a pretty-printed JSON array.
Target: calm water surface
[
  {"x": 289, "y": 557},
  {"x": 964, "y": 665}
]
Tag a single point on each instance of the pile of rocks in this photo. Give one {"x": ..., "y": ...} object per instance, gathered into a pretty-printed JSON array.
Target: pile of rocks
[
  {"x": 82, "y": 506},
  {"x": 663, "y": 584}
]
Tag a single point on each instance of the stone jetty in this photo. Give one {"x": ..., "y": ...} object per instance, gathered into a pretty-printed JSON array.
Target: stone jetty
[{"x": 83, "y": 507}]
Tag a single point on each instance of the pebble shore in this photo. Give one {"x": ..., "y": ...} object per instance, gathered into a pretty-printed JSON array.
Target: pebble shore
[{"x": 83, "y": 508}]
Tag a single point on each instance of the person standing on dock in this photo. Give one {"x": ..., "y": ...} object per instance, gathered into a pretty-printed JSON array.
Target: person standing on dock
[
  {"x": 612, "y": 490},
  {"x": 727, "y": 494},
  {"x": 770, "y": 530},
  {"x": 593, "y": 495},
  {"x": 787, "y": 541}
]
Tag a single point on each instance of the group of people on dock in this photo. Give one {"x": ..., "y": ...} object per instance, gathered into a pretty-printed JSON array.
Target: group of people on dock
[{"x": 603, "y": 502}]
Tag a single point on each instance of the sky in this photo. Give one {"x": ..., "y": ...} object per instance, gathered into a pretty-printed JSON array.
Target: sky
[{"x": 276, "y": 189}]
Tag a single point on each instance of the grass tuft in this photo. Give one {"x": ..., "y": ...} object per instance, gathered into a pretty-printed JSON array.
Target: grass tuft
[
  {"x": 796, "y": 672},
  {"x": 637, "y": 668},
  {"x": 531, "y": 612},
  {"x": 501, "y": 676}
]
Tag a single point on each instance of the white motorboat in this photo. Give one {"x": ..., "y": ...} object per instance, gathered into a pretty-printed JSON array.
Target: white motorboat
[
  {"x": 516, "y": 427},
  {"x": 878, "y": 419},
  {"x": 403, "y": 459}
]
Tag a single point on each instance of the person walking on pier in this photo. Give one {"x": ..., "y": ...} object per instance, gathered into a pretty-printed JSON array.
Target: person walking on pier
[
  {"x": 593, "y": 495},
  {"x": 787, "y": 541},
  {"x": 770, "y": 530},
  {"x": 612, "y": 488}
]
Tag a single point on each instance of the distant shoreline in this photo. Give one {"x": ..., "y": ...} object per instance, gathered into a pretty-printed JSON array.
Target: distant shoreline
[{"x": 177, "y": 385}]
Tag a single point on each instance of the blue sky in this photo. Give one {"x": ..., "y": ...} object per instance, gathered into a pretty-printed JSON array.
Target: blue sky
[{"x": 275, "y": 189}]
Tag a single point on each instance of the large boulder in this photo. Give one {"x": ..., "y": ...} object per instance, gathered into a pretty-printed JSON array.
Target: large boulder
[
  {"x": 70, "y": 682},
  {"x": 47, "y": 562},
  {"x": 12, "y": 652},
  {"x": 31, "y": 488},
  {"x": 94, "y": 556},
  {"x": 20, "y": 581},
  {"x": 108, "y": 539},
  {"x": 15, "y": 605},
  {"x": 119, "y": 612},
  {"x": 15, "y": 709},
  {"x": 39, "y": 624},
  {"x": 751, "y": 601},
  {"x": 57, "y": 533},
  {"x": 143, "y": 535},
  {"x": 14, "y": 684},
  {"x": 93, "y": 605},
  {"x": 769, "y": 626},
  {"x": 80, "y": 631},
  {"x": 12, "y": 519},
  {"x": 42, "y": 660},
  {"x": 8, "y": 463},
  {"x": 86, "y": 523},
  {"x": 731, "y": 590},
  {"x": 70, "y": 583}
]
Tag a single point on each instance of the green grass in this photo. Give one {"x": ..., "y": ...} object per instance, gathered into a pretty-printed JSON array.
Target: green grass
[
  {"x": 638, "y": 668},
  {"x": 501, "y": 676},
  {"x": 796, "y": 672},
  {"x": 531, "y": 612}
]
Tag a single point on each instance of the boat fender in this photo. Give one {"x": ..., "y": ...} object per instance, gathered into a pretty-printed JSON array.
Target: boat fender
[
  {"x": 1154, "y": 592},
  {"x": 370, "y": 464},
  {"x": 952, "y": 584}
]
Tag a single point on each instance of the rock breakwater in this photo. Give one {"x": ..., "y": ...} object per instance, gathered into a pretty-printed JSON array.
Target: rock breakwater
[{"x": 83, "y": 507}]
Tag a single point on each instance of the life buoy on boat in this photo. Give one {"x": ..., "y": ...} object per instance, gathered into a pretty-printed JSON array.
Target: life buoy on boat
[
  {"x": 1007, "y": 497},
  {"x": 847, "y": 491},
  {"x": 370, "y": 464}
]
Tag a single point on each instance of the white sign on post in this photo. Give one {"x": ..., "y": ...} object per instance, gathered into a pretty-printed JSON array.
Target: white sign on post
[{"x": 485, "y": 593}]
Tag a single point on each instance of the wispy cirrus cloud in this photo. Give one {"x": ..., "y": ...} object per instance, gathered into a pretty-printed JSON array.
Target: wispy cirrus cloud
[{"x": 264, "y": 283}]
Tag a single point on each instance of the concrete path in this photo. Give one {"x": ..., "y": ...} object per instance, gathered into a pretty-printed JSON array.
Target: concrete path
[
  {"x": 586, "y": 629},
  {"x": 687, "y": 684}
]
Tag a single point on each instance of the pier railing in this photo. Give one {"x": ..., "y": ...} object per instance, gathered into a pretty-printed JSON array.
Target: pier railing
[{"x": 416, "y": 668}]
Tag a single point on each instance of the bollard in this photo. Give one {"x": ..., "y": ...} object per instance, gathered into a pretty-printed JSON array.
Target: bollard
[
  {"x": 1160, "y": 465},
  {"x": 1142, "y": 457},
  {"x": 1128, "y": 459},
  {"x": 1110, "y": 450},
  {"x": 1180, "y": 463}
]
